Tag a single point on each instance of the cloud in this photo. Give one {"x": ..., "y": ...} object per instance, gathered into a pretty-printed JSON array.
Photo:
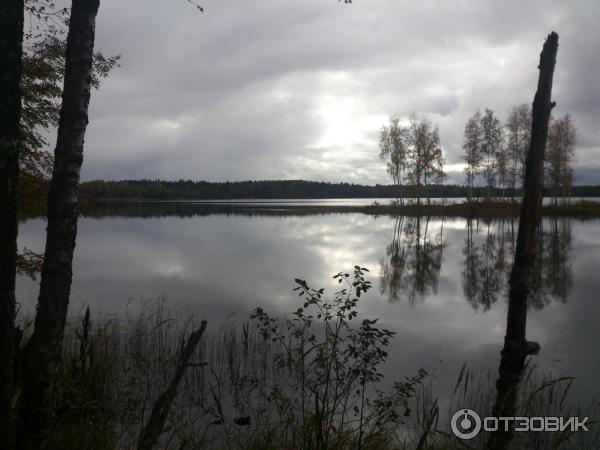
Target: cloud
[{"x": 271, "y": 89}]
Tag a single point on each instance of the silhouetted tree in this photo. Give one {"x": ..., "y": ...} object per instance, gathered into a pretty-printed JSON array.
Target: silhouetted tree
[
  {"x": 516, "y": 347},
  {"x": 491, "y": 144},
  {"x": 11, "y": 37},
  {"x": 472, "y": 151},
  {"x": 43, "y": 71},
  {"x": 502, "y": 168},
  {"x": 43, "y": 350}
]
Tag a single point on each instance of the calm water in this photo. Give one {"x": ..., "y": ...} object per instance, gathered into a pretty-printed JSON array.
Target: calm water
[
  {"x": 337, "y": 201},
  {"x": 439, "y": 283}
]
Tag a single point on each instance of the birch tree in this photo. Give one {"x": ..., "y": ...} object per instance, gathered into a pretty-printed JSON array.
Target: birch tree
[
  {"x": 560, "y": 152},
  {"x": 491, "y": 142},
  {"x": 43, "y": 350},
  {"x": 413, "y": 153},
  {"x": 424, "y": 154},
  {"x": 518, "y": 126},
  {"x": 502, "y": 168},
  {"x": 472, "y": 150},
  {"x": 393, "y": 151},
  {"x": 433, "y": 164}
]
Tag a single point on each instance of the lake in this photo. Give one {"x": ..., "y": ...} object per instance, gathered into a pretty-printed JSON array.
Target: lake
[{"x": 439, "y": 283}]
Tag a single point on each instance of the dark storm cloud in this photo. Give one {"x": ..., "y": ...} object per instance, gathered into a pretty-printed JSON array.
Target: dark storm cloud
[{"x": 287, "y": 89}]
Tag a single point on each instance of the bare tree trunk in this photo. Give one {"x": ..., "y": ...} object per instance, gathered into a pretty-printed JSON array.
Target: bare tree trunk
[
  {"x": 516, "y": 348},
  {"x": 471, "y": 190},
  {"x": 11, "y": 39},
  {"x": 160, "y": 411},
  {"x": 43, "y": 351}
]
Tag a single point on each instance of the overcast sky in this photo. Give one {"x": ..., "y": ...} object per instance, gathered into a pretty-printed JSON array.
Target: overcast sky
[{"x": 287, "y": 89}]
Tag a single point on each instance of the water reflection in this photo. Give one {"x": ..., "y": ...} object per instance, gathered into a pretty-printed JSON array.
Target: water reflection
[
  {"x": 552, "y": 276},
  {"x": 488, "y": 250},
  {"x": 411, "y": 267},
  {"x": 483, "y": 265},
  {"x": 216, "y": 265}
]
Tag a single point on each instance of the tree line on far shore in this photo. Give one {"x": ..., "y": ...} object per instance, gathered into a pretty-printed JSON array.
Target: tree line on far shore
[{"x": 282, "y": 189}]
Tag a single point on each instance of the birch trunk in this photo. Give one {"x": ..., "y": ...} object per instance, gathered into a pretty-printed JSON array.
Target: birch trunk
[
  {"x": 11, "y": 39},
  {"x": 43, "y": 351}
]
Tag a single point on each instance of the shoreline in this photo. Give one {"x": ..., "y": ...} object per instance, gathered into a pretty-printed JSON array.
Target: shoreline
[{"x": 101, "y": 208}]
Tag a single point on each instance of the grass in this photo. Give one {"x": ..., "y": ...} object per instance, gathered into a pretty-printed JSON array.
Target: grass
[{"x": 110, "y": 379}]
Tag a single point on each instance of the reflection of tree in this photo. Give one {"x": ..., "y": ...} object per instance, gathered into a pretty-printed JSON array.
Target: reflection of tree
[
  {"x": 484, "y": 266},
  {"x": 490, "y": 275},
  {"x": 413, "y": 261},
  {"x": 472, "y": 262},
  {"x": 552, "y": 277},
  {"x": 486, "y": 254},
  {"x": 393, "y": 270}
]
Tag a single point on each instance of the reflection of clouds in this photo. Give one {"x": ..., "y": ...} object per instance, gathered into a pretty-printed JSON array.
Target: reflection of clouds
[{"x": 213, "y": 266}]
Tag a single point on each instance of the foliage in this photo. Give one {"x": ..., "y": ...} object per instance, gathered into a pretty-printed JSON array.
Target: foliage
[
  {"x": 560, "y": 152},
  {"x": 491, "y": 145},
  {"x": 472, "y": 150},
  {"x": 43, "y": 66},
  {"x": 413, "y": 153},
  {"x": 502, "y": 168},
  {"x": 29, "y": 263},
  {"x": 335, "y": 368},
  {"x": 112, "y": 372},
  {"x": 41, "y": 89},
  {"x": 270, "y": 189},
  {"x": 311, "y": 380},
  {"x": 425, "y": 161},
  {"x": 393, "y": 149},
  {"x": 498, "y": 153},
  {"x": 41, "y": 92},
  {"x": 518, "y": 127},
  {"x": 188, "y": 189}
]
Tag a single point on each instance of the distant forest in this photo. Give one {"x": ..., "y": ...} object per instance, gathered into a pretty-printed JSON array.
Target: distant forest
[{"x": 203, "y": 190}]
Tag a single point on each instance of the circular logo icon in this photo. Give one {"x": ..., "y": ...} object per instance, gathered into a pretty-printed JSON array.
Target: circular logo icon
[{"x": 465, "y": 424}]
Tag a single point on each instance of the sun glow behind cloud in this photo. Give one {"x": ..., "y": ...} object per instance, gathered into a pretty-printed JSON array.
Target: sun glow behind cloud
[
  {"x": 167, "y": 125},
  {"x": 345, "y": 122}
]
